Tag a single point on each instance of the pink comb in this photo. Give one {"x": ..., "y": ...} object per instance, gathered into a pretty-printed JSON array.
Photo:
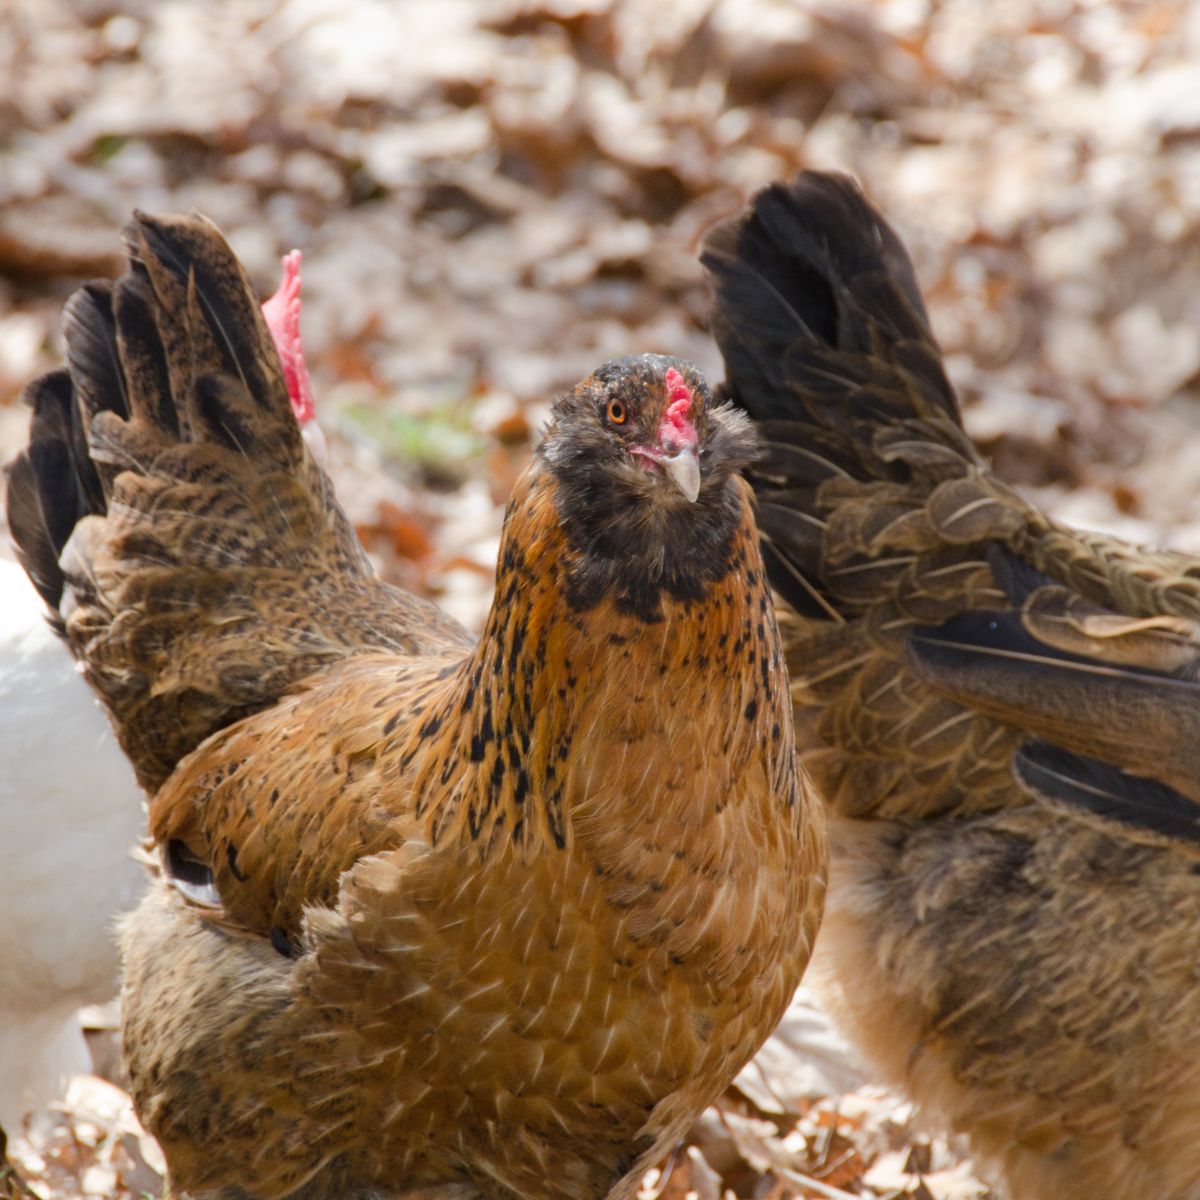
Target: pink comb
[
  {"x": 676, "y": 426},
  {"x": 676, "y": 388},
  {"x": 282, "y": 314}
]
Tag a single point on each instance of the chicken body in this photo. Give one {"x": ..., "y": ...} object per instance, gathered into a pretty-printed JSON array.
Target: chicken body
[
  {"x": 504, "y": 916},
  {"x": 999, "y": 713}
]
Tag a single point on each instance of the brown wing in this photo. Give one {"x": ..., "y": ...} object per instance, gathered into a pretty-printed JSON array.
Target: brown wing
[
  {"x": 1111, "y": 694},
  {"x": 271, "y": 811},
  {"x": 167, "y": 510},
  {"x": 881, "y": 521}
]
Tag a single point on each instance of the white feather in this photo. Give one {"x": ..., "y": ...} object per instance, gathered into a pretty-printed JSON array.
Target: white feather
[{"x": 70, "y": 813}]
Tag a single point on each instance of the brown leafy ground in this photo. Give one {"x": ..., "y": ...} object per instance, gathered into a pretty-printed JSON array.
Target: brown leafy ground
[{"x": 493, "y": 196}]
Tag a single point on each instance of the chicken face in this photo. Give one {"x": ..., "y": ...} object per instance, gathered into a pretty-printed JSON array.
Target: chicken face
[
  {"x": 645, "y": 469},
  {"x": 651, "y": 414}
]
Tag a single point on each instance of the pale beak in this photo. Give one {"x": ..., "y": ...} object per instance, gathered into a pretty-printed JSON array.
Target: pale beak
[{"x": 683, "y": 469}]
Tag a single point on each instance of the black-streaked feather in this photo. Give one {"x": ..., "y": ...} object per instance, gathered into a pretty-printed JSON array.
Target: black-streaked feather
[
  {"x": 1142, "y": 720},
  {"x": 148, "y": 380},
  {"x": 1120, "y": 803}
]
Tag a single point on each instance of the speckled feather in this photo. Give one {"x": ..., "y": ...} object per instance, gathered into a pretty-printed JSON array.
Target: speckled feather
[
  {"x": 507, "y": 915},
  {"x": 997, "y": 941}
]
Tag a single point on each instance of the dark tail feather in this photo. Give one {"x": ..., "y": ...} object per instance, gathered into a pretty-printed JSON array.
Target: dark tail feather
[
  {"x": 813, "y": 294},
  {"x": 28, "y": 524},
  {"x": 182, "y": 266},
  {"x": 1113, "y": 800},
  {"x": 827, "y": 346},
  {"x": 148, "y": 378},
  {"x": 52, "y": 484},
  {"x": 94, "y": 366}
]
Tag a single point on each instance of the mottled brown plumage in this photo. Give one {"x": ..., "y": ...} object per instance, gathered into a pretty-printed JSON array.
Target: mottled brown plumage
[
  {"x": 979, "y": 696},
  {"x": 502, "y": 916}
]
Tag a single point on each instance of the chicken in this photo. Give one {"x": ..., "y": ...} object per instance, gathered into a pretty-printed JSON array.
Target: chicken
[
  {"x": 998, "y": 713},
  {"x": 72, "y": 814},
  {"x": 501, "y": 916}
]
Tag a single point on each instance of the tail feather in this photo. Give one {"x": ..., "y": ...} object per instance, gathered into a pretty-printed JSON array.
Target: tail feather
[
  {"x": 142, "y": 355},
  {"x": 93, "y": 362},
  {"x": 192, "y": 554},
  {"x": 222, "y": 367},
  {"x": 815, "y": 296},
  {"x": 1115, "y": 801},
  {"x": 52, "y": 485},
  {"x": 827, "y": 346}
]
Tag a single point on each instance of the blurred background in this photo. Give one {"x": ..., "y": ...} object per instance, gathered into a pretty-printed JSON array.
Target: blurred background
[{"x": 493, "y": 196}]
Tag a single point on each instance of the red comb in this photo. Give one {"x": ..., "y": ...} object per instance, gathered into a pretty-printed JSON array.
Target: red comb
[
  {"x": 676, "y": 388},
  {"x": 282, "y": 314},
  {"x": 676, "y": 425},
  {"x": 680, "y": 397}
]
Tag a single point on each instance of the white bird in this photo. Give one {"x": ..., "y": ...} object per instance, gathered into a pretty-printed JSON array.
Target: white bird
[{"x": 70, "y": 813}]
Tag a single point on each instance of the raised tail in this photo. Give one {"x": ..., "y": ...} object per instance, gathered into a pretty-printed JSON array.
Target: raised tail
[
  {"x": 191, "y": 552},
  {"x": 828, "y": 347},
  {"x": 872, "y": 503},
  {"x": 814, "y": 293}
]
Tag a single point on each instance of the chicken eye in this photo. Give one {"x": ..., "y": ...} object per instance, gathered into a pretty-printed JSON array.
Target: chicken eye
[{"x": 617, "y": 413}]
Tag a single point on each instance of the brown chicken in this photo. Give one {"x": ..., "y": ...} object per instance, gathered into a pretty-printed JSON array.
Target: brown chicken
[
  {"x": 502, "y": 916},
  {"x": 983, "y": 698}
]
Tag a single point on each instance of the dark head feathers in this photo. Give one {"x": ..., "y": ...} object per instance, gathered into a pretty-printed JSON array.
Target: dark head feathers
[{"x": 636, "y": 536}]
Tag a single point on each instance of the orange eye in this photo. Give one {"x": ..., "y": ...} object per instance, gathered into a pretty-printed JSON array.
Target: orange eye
[{"x": 617, "y": 413}]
